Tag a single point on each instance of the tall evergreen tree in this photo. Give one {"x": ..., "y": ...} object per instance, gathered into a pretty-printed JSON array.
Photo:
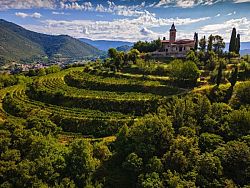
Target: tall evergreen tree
[
  {"x": 219, "y": 75},
  {"x": 196, "y": 40},
  {"x": 234, "y": 76},
  {"x": 210, "y": 43},
  {"x": 218, "y": 44},
  {"x": 238, "y": 44},
  {"x": 233, "y": 44},
  {"x": 203, "y": 44}
]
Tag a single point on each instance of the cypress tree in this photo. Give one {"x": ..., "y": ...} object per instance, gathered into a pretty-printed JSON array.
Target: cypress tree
[
  {"x": 219, "y": 76},
  {"x": 238, "y": 44},
  {"x": 203, "y": 44},
  {"x": 210, "y": 43},
  {"x": 233, "y": 44},
  {"x": 234, "y": 77},
  {"x": 196, "y": 41}
]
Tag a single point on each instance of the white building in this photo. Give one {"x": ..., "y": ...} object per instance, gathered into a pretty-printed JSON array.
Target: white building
[{"x": 173, "y": 47}]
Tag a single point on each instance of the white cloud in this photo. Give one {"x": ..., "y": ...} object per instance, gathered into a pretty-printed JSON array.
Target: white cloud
[
  {"x": 21, "y": 14},
  {"x": 185, "y": 3},
  {"x": 123, "y": 10},
  {"x": 26, "y": 4},
  {"x": 224, "y": 29},
  {"x": 218, "y": 15},
  {"x": 140, "y": 28},
  {"x": 25, "y": 15},
  {"x": 86, "y": 6},
  {"x": 163, "y": 3},
  {"x": 109, "y": 6},
  {"x": 191, "y": 3},
  {"x": 231, "y": 13},
  {"x": 36, "y": 15},
  {"x": 60, "y": 13},
  {"x": 119, "y": 29},
  {"x": 241, "y": 1},
  {"x": 146, "y": 32}
]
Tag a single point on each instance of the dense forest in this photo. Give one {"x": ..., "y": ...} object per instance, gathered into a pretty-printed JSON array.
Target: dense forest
[{"x": 129, "y": 121}]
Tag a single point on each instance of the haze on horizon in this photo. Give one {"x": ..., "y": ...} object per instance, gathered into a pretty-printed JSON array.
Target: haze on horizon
[{"x": 130, "y": 20}]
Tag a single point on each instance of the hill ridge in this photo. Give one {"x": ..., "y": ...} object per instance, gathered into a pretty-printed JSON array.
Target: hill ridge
[{"x": 39, "y": 44}]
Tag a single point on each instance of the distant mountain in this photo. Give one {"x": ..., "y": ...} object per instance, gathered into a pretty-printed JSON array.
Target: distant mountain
[
  {"x": 243, "y": 45},
  {"x": 245, "y": 52},
  {"x": 244, "y": 48},
  {"x": 124, "y": 48},
  {"x": 106, "y": 44},
  {"x": 18, "y": 43}
]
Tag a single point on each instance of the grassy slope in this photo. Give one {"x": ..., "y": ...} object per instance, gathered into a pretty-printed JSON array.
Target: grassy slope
[
  {"x": 13, "y": 46},
  {"x": 21, "y": 43}
]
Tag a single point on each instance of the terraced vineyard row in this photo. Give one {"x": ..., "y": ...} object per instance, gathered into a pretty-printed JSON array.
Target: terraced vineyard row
[
  {"x": 58, "y": 83},
  {"x": 119, "y": 84},
  {"x": 89, "y": 122},
  {"x": 98, "y": 106},
  {"x": 54, "y": 90}
]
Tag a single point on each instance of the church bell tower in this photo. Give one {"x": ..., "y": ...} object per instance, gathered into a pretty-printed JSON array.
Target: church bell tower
[{"x": 172, "y": 34}]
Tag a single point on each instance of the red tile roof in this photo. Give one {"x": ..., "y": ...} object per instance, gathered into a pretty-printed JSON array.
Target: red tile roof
[{"x": 181, "y": 41}]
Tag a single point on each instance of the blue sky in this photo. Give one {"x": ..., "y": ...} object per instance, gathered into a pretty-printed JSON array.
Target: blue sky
[{"x": 130, "y": 20}]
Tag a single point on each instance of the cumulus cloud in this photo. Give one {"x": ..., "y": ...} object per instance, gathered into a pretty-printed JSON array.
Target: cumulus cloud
[
  {"x": 241, "y": 1},
  {"x": 86, "y": 6},
  {"x": 191, "y": 3},
  {"x": 146, "y": 32},
  {"x": 184, "y": 3},
  {"x": 123, "y": 10},
  {"x": 218, "y": 15},
  {"x": 27, "y": 4},
  {"x": 111, "y": 6},
  {"x": 119, "y": 29},
  {"x": 25, "y": 15},
  {"x": 241, "y": 24},
  {"x": 60, "y": 13},
  {"x": 108, "y": 7}
]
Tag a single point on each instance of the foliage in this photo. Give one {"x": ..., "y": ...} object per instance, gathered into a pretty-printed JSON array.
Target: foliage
[
  {"x": 203, "y": 44},
  {"x": 235, "y": 158},
  {"x": 234, "y": 77},
  {"x": 210, "y": 43},
  {"x": 80, "y": 162},
  {"x": 218, "y": 44},
  {"x": 52, "y": 69},
  {"x": 147, "y": 46},
  {"x": 234, "y": 45},
  {"x": 196, "y": 40},
  {"x": 188, "y": 140},
  {"x": 7, "y": 80},
  {"x": 184, "y": 71},
  {"x": 107, "y": 82},
  {"x": 191, "y": 56},
  {"x": 134, "y": 54},
  {"x": 241, "y": 95},
  {"x": 219, "y": 75},
  {"x": 119, "y": 59}
]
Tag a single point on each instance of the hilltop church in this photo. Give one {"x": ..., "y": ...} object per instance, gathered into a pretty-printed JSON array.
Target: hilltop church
[{"x": 173, "y": 47}]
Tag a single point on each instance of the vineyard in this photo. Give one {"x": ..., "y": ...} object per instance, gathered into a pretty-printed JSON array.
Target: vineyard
[{"x": 86, "y": 103}]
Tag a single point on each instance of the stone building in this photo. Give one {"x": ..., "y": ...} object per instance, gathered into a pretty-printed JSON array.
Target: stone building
[{"x": 173, "y": 47}]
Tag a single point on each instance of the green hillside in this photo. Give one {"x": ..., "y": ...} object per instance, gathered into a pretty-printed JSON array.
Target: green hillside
[
  {"x": 93, "y": 127},
  {"x": 13, "y": 46},
  {"x": 18, "y": 43}
]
